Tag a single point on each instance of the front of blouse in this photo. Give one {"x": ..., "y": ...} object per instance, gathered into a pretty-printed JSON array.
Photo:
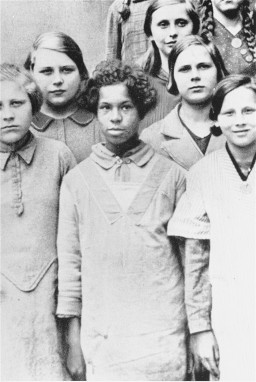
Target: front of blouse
[
  {"x": 30, "y": 182},
  {"x": 79, "y": 131}
]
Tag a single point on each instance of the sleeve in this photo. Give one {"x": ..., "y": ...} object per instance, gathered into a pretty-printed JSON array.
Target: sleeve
[
  {"x": 67, "y": 160},
  {"x": 190, "y": 219},
  {"x": 69, "y": 256},
  {"x": 113, "y": 34},
  {"x": 198, "y": 300}
]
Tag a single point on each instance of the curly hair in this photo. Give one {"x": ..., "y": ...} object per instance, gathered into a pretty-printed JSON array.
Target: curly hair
[
  {"x": 226, "y": 86},
  {"x": 9, "y": 72},
  {"x": 112, "y": 72},
  {"x": 183, "y": 44},
  {"x": 208, "y": 25},
  {"x": 151, "y": 60}
]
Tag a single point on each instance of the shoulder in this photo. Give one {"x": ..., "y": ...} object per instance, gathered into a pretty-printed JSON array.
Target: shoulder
[
  {"x": 157, "y": 128},
  {"x": 51, "y": 148},
  {"x": 204, "y": 167},
  {"x": 173, "y": 170}
]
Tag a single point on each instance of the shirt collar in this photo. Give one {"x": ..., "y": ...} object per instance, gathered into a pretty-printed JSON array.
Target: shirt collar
[
  {"x": 42, "y": 121},
  {"x": 139, "y": 155},
  {"x": 26, "y": 151}
]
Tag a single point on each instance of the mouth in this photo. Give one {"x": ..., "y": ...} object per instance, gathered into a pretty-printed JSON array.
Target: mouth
[
  {"x": 171, "y": 43},
  {"x": 57, "y": 92},
  {"x": 241, "y": 132},
  {"x": 9, "y": 127},
  {"x": 196, "y": 88}
]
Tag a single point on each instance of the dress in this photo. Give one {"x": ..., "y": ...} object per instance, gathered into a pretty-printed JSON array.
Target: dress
[
  {"x": 170, "y": 138},
  {"x": 165, "y": 101},
  {"x": 30, "y": 181},
  {"x": 126, "y": 40},
  {"x": 79, "y": 131},
  {"x": 220, "y": 206},
  {"x": 131, "y": 293},
  {"x": 233, "y": 49}
]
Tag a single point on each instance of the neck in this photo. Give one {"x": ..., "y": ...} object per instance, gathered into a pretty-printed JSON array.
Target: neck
[
  {"x": 12, "y": 147},
  {"x": 243, "y": 155},
  {"x": 196, "y": 118},
  {"x": 231, "y": 20},
  {"x": 60, "y": 112},
  {"x": 164, "y": 62},
  {"x": 121, "y": 149}
]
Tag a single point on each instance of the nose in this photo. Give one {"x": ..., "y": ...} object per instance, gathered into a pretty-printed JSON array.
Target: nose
[
  {"x": 115, "y": 115},
  {"x": 7, "y": 114},
  {"x": 58, "y": 79},
  {"x": 239, "y": 119},
  {"x": 173, "y": 31},
  {"x": 195, "y": 76}
]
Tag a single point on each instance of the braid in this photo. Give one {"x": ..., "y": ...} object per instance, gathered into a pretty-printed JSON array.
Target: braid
[
  {"x": 125, "y": 12},
  {"x": 207, "y": 20},
  {"x": 248, "y": 28}
]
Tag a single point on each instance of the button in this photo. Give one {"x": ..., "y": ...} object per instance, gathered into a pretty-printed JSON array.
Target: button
[
  {"x": 236, "y": 42},
  {"x": 128, "y": 160},
  {"x": 243, "y": 51},
  {"x": 248, "y": 58}
]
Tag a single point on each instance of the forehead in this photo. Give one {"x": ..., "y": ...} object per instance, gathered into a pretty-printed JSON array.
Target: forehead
[
  {"x": 170, "y": 12},
  {"x": 116, "y": 93},
  {"x": 193, "y": 55},
  {"x": 48, "y": 57},
  {"x": 240, "y": 97},
  {"x": 12, "y": 89}
]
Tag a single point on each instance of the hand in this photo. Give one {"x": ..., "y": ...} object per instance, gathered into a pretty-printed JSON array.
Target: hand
[
  {"x": 205, "y": 351},
  {"x": 75, "y": 363}
]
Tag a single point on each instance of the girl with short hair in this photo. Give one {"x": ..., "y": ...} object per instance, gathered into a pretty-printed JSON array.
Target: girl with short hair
[
  {"x": 218, "y": 208},
  {"x": 56, "y": 62},
  {"x": 31, "y": 173},
  {"x": 184, "y": 134}
]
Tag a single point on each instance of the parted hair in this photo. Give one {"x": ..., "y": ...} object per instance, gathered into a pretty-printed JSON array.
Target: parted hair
[
  {"x": 226, "y": 86},
  {"x": 208, "y": 25},
  {"x": 151, "y": 60},
  {"x": 10, "y": 72},
  {"x": 112, "y": 72},
  {"x": 185, "y": 43}
]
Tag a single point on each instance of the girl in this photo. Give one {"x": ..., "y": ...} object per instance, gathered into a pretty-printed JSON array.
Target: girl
[
  {"x": 184, "y": 134},
  {"x": 31, "y": 173},
  {"x": 114, "y": 209},
  {"x": 165, "y": 23},
  {"x": 229, "y": 25},
  {"x": 57, "y": 65},
  {"x": 219, "y": 205},
  {"x": 125, "y": 36}
]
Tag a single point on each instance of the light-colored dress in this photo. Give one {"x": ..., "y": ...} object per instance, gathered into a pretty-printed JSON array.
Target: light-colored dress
[
  {"x": 220, "y": 206},
  {"x": 118, "y": 269},
  {"x": 30, "y": 181},
  {"x": 79, "y": 131},
  {"x": 170, "y": 138}
]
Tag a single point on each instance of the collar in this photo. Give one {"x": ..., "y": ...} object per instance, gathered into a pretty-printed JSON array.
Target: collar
[
  {"x": 140, "y": 155},
  {"x": 42, "y": 121},
  {"x": 26, "y": 152}
]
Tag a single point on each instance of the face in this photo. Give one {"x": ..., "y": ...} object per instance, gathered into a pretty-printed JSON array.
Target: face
[
  {"x": 227, "y": 5},
  {"x": 16, "y": 112},
  {"x": 237, "y": 118},
  {"x": 169, "y": 24},
  {"x": 118, "y": 116},
  {"x": 57, "y": 76},
  {"x": 195, "y": 75}
]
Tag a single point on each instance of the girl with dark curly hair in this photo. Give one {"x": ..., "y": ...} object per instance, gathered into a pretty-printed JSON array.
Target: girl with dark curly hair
[
  {"x": 165, "y": 23},
  {"x": 219, "y": 207},
  {"x": 57, "y": 65},
  {"x": 230, "y": 26},
  {"x": 184, "y": 134},
  {"x": 118, "y": 272},
  {"x": 31, "y": 173}
]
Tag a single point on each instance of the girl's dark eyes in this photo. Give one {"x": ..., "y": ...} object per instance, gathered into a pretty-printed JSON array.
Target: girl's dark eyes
[
  {"x": 17, "y": 103},
  {"x": 184, "y": 69},
  {"x": 204, "y": 66},
  {"x": 181, "y": 23},
  {"x": 64, "y": 70},
  {"x": 46, "y": 71},
  {"x": 163, "y": 24},
  {"x": 249, "y": 110}
]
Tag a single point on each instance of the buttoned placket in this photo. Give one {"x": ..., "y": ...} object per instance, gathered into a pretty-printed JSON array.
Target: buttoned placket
[
  {"x": 17, "y": 203},
  {"x": 122, "y": 173}
]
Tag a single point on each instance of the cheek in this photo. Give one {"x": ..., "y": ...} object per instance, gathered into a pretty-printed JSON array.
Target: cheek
[{"x": 187, "y": 30}]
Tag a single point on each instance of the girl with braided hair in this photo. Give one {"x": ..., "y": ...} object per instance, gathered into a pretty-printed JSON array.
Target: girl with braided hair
[{"x": 229, "y": 25}]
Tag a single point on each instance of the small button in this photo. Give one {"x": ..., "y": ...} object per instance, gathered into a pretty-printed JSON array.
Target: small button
[
  {"x": 243, "y": 51},
  {"x": 248, "y": 58},
  {"x": 236, "y": 42},
  {"x": 128, "y": 160}
]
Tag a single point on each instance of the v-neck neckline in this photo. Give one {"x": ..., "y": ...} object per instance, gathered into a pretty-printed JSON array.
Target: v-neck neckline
[
  {"x": 108, "y": 203},
  {"x": 242, "y": 176}
]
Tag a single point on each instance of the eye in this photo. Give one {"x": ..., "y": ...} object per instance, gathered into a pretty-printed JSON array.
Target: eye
[
  {"x": 17, "y": 103},
  {"x": 104, "y": 107},
  {"x": 249, "y": 110},
  {"x": 163, "y": 24},
  {"x": 46, "y": 71},
  {"x": 67, "y": 70},
  {"x": 127, "y": 107},
  {"x": 228, "y": 113},
  {"x": 181, "y": 23},
  {"x": 204, "y": 66},
  {"x": 184, "y": 69}
]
